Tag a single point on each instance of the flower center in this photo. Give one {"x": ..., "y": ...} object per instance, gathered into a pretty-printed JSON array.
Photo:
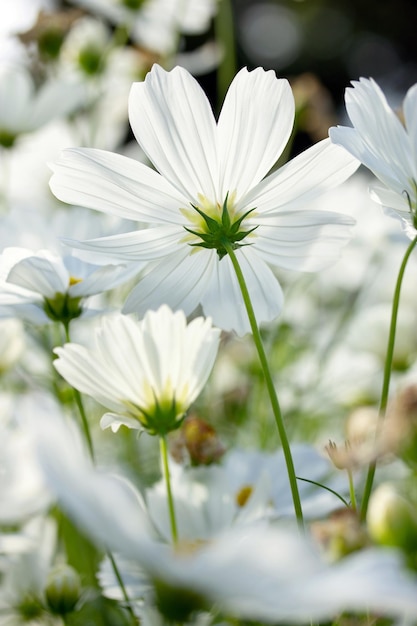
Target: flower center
[
  {"x": 160, "y": 413},
  {"x": 134, "y": 5},
  {"x": 217, "y": 227},
  {"x": 243, "y": 495}
]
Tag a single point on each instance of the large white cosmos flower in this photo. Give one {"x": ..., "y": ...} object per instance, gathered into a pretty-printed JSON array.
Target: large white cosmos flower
[
  {"x": 386, "y": 146},
  {"x": 259, "y": 573},
  {"x": 210, "y": 184},
  {"x": 148, "y": 372}
]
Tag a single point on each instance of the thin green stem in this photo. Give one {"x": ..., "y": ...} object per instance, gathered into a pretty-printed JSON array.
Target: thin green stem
[
  {"x": 80, "y": 405},
  {"x": 122, "y": 587},
  {"x": 313, "y": 482},
  {"x": 387, "y": 370},
  {"x": 352, "y": 490},
  {"x": 164, "y": 457},
  {"x": 269, "y": 384}
]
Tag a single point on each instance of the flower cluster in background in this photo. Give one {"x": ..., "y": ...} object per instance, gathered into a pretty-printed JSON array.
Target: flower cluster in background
[{"x": 208, "y": 381}]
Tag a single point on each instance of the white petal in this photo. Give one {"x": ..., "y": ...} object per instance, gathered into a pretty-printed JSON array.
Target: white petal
[
  {"x": 410, "y": 114},
  {"x": 41, "y": 275},
  {"x": 352, "y": 141},
  {"x": 302, "y": 240},
  {"x": 223, "y": 299},
  {"x": 378, "y": 125},
  {"x": 305, "y": 177},
  {"x": 105, "y": 278},
  {"x": 179, "y": 280},
  {"x": 141, "y": 245},
  {"x": 92, "y": 375},
  {"x": 115, "y": 184},
  {"x": 173, "y": 123},
  {"x": 114, "y": 421},
  {"x": 254, "y": 126}
]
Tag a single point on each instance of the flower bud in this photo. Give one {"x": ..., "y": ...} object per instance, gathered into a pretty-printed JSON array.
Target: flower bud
[
  {"x": 63, "y": 589},
  {"x": 391, "y": 519}
]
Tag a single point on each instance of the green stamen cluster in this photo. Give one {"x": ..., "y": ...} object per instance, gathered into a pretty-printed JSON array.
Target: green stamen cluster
[
  {"x": 62, "y": 308},
  {"x": 221, "y": 232},
  {"x": 7, "y": 138},
  {"x": 159, "y": 419},
  {"x": 134, "y": 5}
]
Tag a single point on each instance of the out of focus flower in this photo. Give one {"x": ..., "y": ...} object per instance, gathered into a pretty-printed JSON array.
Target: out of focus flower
[
  {"x": 23, "y": 108},
  {"x": 156, "y": 24},
  {"x": 210, "y": 188},
  {"x": 12, "y": 342},
  {"x": 24, "y": 579},
  {"x": 23, "y": 492},
  {"x": 148, "y": 372},
  {"x": 42, "y": 287},
  {"x": 266, "y": 574},
  {"x": 386, "y": 146},
  {"x": 392, "y": 519}
]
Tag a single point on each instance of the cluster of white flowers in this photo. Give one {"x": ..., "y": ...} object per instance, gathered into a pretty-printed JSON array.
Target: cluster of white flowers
[{"x": 142, "y": 317}]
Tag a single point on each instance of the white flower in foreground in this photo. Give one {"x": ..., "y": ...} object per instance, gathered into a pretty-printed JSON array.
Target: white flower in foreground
[
  {"x": 148, "y": 372},
  {"x": 23, "y": 108},
  {"x": 208, "y": 188},
  {"x": 266, "y": 574},
  {"x": 43, "y": 286},
  {"x": 384, "y": 145}
]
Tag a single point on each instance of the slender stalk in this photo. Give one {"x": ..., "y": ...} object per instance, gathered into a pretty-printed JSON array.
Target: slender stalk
[
  {"x": 225, "y": 36},
  {"x": 387, "y": 370},
  {"x": 80, "y": 405},
  {"x": 313, "y": 482},
  {"x": 352, "y": 490},
  {"x": 122, "y": 587},
  {"x": 164, "y": 457},
  {"x": 269, "y": 384}
]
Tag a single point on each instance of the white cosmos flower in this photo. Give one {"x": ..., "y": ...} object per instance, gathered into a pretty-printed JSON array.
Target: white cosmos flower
[
  {"x": 219, "y": 170},
  {"x": 386, "y": 146},
  {"x": 44, "y": 286},
  {"x": 148, "y": 372},
  {"x": 24, "y": 108},
  {"x": 265, "y": 574}
]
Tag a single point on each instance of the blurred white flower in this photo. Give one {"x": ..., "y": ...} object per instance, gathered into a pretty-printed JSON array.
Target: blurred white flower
[
  {"x": 156, "y": 24},
  {"x": 210, "y": 188},
  {"x": 148, "y": 372},
  {"x": 23, "y": 108},
  {"x": 24, "y": 578},
  {"x": 23, "y": 491},
  {"x": 43, "y": 286},
  {"x": 384, "y": 145},
  {"x": 266, "y": 574},
  {"x": 12, "y": 342}
]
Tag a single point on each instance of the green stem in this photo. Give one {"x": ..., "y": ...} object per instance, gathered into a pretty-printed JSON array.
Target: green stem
[
  {"x": 164, "y": 457},
  {"x": 352, "y": 490},
  {"x": 313, "y": 482},
  {"x": 387, "y": 370},
  {"x": 122, "y": 587},
  {"x": 80, "y": 405},
  {"x": 269, "y": 383},
  {"x": 225, "y": 28}
]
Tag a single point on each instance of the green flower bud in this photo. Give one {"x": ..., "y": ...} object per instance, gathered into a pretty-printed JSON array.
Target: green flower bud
[
  {"x": 63, "y": 589},
  {"x": 391, "y": 519}
]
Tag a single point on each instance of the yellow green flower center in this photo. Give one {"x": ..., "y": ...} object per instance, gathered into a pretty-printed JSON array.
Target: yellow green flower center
[
  {"x": 161, "y": 413},
  {"x": 243, "y": 495},
  {"x": 215, "y": 226}
]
